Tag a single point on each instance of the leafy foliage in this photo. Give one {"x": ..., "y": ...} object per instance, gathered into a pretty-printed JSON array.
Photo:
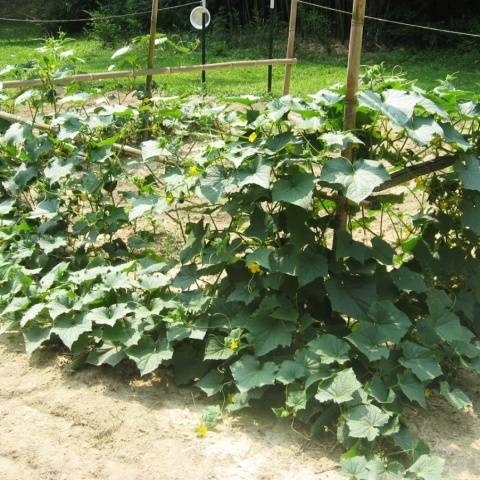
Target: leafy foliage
[{"x": 265, "y": 291}]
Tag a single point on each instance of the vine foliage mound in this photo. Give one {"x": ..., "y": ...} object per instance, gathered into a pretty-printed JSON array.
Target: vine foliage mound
[{"x": 262, "y": 296}]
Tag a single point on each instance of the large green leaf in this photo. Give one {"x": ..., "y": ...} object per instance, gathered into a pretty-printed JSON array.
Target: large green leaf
[
  {"x": 109, "y": 315},
  {"x": 269, "y": 333},
  {"x": 469, "y": 172},
  {"x": 35, "y": 336},
  {"x": 456, "y": 397},
  {"x": 351, "y": 296},
  {"x": 148, "y": 354},
  {"x": 420, "y": 360},
  {"x": 290, "y": 371},
  {"x": 428, "y": 467},
  {"x": 330, "y": 348},
  {"x": 69, "y": 328},
  {"x": 365, "y": 421},
  {"x": 249, "y": 373},
  {"x": 297, "y": 190},
  {"x": 358, "y": 180},
  {"x": 412, "y": 388},
  {"x": 108, "y": 355},
  {"x": 340, "y": 389}
]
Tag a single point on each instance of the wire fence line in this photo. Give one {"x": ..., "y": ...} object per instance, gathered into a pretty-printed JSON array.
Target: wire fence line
[
  {"x": 107, "y": 17},
  {"x": 394, "y": 22}
]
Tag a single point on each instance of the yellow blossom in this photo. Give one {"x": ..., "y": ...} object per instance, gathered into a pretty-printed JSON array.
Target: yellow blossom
[
  {"x": 428, "y": 393},
  {"x": 169, "y": 197},
  {"x": 234, "y": 344},
  {"x": 252, "y": 137},
  {"x": 193, "y": 171},
  {"x": 201, "y": 430},
  {"x": 254, "y": 267},
  {"x": 230, "y": 397}
]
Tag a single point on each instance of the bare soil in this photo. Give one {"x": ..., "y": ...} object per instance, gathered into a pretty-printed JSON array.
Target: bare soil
[{"x": 105, "y": 424}]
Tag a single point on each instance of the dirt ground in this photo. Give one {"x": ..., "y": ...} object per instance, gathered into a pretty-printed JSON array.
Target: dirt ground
[{"x": 98, "y": 424}]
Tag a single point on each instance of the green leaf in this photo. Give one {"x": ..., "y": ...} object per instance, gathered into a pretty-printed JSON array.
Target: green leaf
[
  {"x": 46, "y": 208},
  {"x": 365, "y": 421},
  {"x": 148, "y": 354},
  {"x": 339, "y": 140},
  {"x": 358, "y": 181},
  {"x": 269, "y": 333},
  {"x": 297, "y": 190},
  {"x": 60, "y": 168},
  {"x": 291, "y": 371},
  {"x": 249, "y": 373},
  {"x": 32, "y": 313},
  {"x": 152, "y": 150},
  {"x": 215, "y": 349},
  {"x": 347, "y": 247},
  {"x": 370, "y": 341},
  {"x": 212, "y": 383},
  {"x": 428, "y": 467},
  {"x": 109, "y": 315},
  {"x": 330, "y": 348},
  {"x": 469, "y": 173},
  {"x": 35, "y": 336},
  {"x": 406, "y": 279},
  {"x": 215, "y": 183},
  {"x": 276, "y": 143},
  {"x": 455, "y": 397},
  {"x": 296, "y": 400},
  {"x": 70, "y": 328},
  {"x": 6, "y": 206},
  {"x": 382, "y": 251},
  {"x": 340, "y": 389},
  {"x": 106, "y": 356},
  {"x": 368, "y": 174},
  {"x": 256, "y": 174},
  {"x": 355, "y": 467},
  {"x": 412, "y": 388},
  {"x": 423, "y": 130},
  {"x": 420, "y": 360},
  {"x": 390, "y": 321},
  {"x": 351, "y": 296}
]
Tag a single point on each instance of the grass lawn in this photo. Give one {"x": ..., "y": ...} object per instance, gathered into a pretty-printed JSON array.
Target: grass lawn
[{"x": 314, "y": 71}]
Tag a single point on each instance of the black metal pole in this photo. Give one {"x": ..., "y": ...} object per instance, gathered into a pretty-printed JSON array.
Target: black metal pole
[
  {"x": 204, "y": 48},
  {"x": 270, "y": 47}
]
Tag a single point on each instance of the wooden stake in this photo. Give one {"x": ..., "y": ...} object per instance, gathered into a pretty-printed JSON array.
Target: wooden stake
[
  {"x": 350, "y": 116},
  {"x": 291, "y": 45},
  {"x": 151, "y": 47},
  {"x": 354, "y": 56},
  {"x": 92, "y": 77}
]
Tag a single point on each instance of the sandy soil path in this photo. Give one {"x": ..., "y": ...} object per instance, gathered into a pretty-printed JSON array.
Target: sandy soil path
[{"x": 96, "y": 424}]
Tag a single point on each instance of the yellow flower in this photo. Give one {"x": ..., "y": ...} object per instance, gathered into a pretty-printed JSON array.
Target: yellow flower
[
  {"x": 254, "y": 267},
  {"x": 169, "y": 197},
  {"x": 230, "y": 397},
  {"x": 83, "y": 197},
  {"x": 201, "y": 430},
  {"x": 193, "y": 171},
  {"x": 252, "y": 137},
  {"x": 428, "y": 393},
  {"x": 234, "y": 344}
]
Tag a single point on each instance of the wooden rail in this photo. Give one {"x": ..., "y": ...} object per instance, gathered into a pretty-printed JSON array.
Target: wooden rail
[
  {"x": 49, "y": 128},
  {"x": 91, "y": 77}
]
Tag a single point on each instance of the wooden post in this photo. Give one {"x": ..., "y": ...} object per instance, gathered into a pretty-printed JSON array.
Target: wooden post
[
  {"x": 291, "y": 44},
  {"x": 350, "y": 115},
  {"x": 271, "y": 19},
  {"x": 151, "y": 47}
]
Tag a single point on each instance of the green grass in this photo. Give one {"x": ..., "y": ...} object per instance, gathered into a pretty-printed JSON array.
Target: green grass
[{"x": 315, "y": 70}]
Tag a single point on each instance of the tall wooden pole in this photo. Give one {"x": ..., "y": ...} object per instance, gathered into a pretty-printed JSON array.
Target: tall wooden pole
[
  {"x": 271, "y": 19},
  {"x": 291, "y": 45},
  {"x": 151, "y": 47},
  {"x": 353, "y": 73}
]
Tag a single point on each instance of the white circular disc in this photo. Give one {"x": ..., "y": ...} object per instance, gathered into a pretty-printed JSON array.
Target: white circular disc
[{"x": 196, "y": 17}]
